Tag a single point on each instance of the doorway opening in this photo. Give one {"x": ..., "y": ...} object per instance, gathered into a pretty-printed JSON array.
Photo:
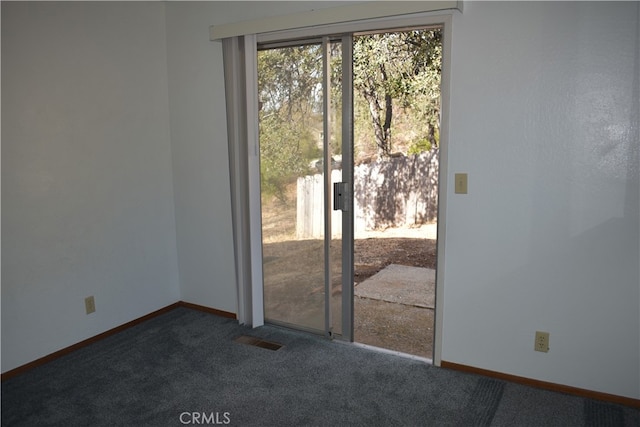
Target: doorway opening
[
  {"x": 397, "y": 104},
  {"x": 390, "y": 160}
]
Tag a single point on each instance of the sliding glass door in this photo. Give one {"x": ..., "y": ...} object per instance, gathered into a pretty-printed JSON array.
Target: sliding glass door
[{"x": 305, "y": 169}]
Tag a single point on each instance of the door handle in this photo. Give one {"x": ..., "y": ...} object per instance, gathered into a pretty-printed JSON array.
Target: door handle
[{"x": 340, "y": 196}]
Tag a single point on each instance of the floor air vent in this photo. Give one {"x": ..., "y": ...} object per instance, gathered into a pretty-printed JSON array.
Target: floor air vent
[{"x": 257, "y": 342}]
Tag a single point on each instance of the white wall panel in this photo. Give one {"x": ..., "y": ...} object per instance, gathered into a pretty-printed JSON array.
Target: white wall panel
[
  {"x": 544, "y": 119},
  {"x": 199, "y": 144},
  {"x": 86, "y": 172}
]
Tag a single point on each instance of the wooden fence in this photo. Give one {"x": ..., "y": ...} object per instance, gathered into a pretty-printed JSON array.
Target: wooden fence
[{"x": 387, "y": 193}]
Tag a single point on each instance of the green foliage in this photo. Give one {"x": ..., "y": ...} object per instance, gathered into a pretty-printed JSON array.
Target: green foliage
[
  {"x": 285, "y": 152},
  {"x": 424, "y": 144},
  {"x": 395, "y": 75},
  {"x": 289, "y": 85},
  {"x": 289, "y": 81},
  {"x": 399, "y": 71},
  {"x": 419, "y": 146}
]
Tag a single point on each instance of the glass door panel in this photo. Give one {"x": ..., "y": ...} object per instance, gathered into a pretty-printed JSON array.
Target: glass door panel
[
  {"x": 291, "y": 118},
  {"x": 300, "y": 130}
]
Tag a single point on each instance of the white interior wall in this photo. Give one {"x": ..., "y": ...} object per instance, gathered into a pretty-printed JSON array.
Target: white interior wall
[
  {"x": 200, "y": 161},
  {"x": 542, "y": 114},
  {"x": 544, "y": 119},
  {"x": 87, "y": 166},
  {"x": 544, "y": 98},
  {"x": 86, "y": 172},
  {"x": 199, "y": 144}
]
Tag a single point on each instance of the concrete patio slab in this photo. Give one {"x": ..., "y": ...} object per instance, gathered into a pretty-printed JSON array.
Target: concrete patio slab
[{"x": 400, "y": 284}]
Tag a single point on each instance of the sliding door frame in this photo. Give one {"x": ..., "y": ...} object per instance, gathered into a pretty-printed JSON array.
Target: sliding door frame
[
  {"x": 326, "y": 162},
  {"x": 346, "y": 133},
  {"x": 347, "y": 177},
  {"x": 252, "y": 289}
]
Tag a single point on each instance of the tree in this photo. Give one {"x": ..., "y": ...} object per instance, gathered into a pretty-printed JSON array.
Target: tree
[
  {"x": 401, "y": 69},
  {"x": 290, "y": 93},
  {"x": 395, "y": 75}
]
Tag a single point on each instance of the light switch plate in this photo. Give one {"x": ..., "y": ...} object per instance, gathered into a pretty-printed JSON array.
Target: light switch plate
[{"x": 460, "y": 183}]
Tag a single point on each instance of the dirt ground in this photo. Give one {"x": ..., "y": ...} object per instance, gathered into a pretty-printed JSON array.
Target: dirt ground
[
  {"x": 375, "y": 253},
  {"x": 388, "y": 325},
  {"x": 393, "y": 326}
]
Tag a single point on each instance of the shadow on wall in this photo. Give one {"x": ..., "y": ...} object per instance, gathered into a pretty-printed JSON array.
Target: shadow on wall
[{"x": 396, "y": 191}]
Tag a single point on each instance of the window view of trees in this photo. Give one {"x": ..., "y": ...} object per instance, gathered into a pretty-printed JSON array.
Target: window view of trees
[
  {"x": 396, "y": 102},
  {"x": 397, "y": 90},
  {"x": 290, "y": 93}
]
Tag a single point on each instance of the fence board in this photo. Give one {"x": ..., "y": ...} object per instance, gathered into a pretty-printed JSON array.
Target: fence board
[{"x": 387, "y": 193}]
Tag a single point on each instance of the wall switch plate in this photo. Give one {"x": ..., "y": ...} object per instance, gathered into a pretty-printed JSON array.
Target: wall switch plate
[
  {"x": 460, "y": 183},
  {"x": 542, "y": 341},
  {"x": 90, "y": 304}
]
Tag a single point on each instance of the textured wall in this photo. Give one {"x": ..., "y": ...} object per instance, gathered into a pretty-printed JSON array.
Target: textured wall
[
  {"x": 87, "y": 202},
  {"x": 544, "y": 119}
]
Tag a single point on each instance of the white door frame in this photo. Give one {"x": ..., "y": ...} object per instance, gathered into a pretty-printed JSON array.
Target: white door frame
[{"x": 255, "y": 290}]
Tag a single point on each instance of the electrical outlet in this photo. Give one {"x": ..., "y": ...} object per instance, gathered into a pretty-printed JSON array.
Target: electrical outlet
[
  {"x": 90, "y": 304},
  {"x": 542, "y": 341}
]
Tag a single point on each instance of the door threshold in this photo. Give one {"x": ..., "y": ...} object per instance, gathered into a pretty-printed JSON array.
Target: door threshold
[
  {"x": 294, "y": 327},
  {"x": 387, "y": 351}
]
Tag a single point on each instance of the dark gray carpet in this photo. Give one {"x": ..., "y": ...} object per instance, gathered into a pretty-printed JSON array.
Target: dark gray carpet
[{"x": 187, "y": 361}]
